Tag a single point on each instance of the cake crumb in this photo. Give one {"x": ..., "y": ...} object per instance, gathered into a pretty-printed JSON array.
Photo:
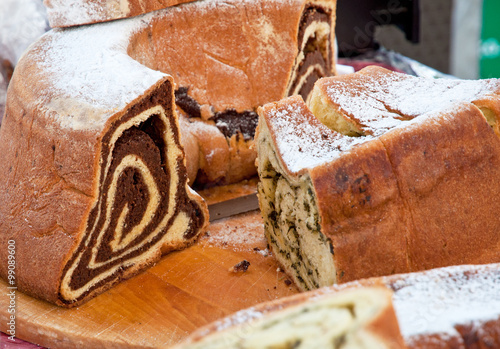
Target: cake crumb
[
  {"x": 264, "y": 252},
  {"x": 240, "y": 267}
]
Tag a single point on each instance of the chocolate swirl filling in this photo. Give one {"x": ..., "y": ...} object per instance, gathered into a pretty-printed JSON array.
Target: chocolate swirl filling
[
  {"x": 142, "y": 202},
  {"x": 314, "y": 59}
]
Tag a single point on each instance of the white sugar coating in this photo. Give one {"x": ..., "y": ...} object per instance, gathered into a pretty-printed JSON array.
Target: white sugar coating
[
  {"x": 80, "y": 11},
  {"x": 414, "y": 96},
  {"x": 360, "y": 104},
  {"x": 204, "y": 129},
  {"x": 431, "y": 119},
  {"x": 264, "y": 252},
  {"x": 91, "y": 73},
  {"x": 305, "y": 142},
  {"x": 94, "y": 78},
  {"x": 243, "y": 232},
  {"x": 238, "y": 318},
  {"x": 433, "y": 302},
  {"x": 380, "y": 102}
]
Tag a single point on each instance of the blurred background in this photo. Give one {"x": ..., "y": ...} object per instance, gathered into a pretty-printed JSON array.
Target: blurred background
[{"x": 457, "y": 37}]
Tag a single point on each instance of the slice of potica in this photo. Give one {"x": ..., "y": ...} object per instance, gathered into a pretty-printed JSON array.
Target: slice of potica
[
  {"x": 350, "y": 318},
  {"x": 405, "y": 182}
]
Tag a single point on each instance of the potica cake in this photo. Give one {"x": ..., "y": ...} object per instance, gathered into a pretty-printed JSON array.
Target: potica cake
[
  {"x": 403, "y": 179},
  {"x": 358, "y": 317},
  {"x": 452, "y": 307},
  {"x": 93, "y": 173}
]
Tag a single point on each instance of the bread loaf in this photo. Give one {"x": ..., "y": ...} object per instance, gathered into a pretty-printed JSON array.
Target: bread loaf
[
  {"x": 227, "y": 59},
  {"x": 406, "y": 183},
  {"x": 93, "y": 186},
  {"x": 252, "y": 53},
  {"x": 350, "y": 318},
  {"x": 84, "y": 99},
  {"x": 454, "y": 307}
]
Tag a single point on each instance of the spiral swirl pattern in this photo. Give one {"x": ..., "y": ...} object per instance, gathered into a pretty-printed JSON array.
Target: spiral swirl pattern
[{"x": 141, "y": 199}]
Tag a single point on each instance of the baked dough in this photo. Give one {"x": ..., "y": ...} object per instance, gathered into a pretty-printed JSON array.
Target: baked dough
[
  {"x": 91, "y": 195},
  {"x": 79, "y": 95},
  {"x": 253, "y": 54},
  {"x": 406, "y": 183},
  {"x": 350, "y": 318},
  {"x": 453, "y": 307},
  {"x": 227, "y": 59}
]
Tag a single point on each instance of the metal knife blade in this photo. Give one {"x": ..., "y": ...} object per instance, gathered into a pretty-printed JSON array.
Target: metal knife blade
[{"x": 234, "y": 206}]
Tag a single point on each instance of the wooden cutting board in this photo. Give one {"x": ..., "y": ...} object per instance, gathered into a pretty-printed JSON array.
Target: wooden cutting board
[{"x": 161, "y": 306}]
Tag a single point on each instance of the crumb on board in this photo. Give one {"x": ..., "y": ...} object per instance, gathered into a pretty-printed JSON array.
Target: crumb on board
[
  {"x": 240, "y": 267},
  {"x": 263, "y": 252}
]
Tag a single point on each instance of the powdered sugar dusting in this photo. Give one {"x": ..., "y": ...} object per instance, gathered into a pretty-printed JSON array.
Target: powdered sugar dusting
[
  {"x": 379, "y": 101},
  {"x": 244, "y": 232},
  {"x": 80, "y": 12},
  {"x": 414, "y": 96},
  {"x": 302, "y": 140},
  {"x": 435, "y": 301},
  {"x": 238, "y": 318},
  {"x": 360, "y": 104},
  {"x": 90, "y": 72}
]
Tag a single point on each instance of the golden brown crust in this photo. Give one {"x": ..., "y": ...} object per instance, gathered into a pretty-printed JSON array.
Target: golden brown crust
[
  {"x": 241, "y": 68},
  {"x": 446, "y": 175},
  {"x": 191, "y": 149},
  {"x": 453, "y": 307},
  {"x": 362, "y": 213},
  {"x": 212, "y": 152},
  {"x": 414, "y": 198},
  {"x": 414, "y": 188},
  {"x": 386, "y": 329},
  {"x": 49, "y": 186},
  {"x": 46, "y": 191}
]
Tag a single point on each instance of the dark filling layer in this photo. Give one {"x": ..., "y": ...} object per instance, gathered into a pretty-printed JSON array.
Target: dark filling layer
[
  {"x": 315, "y": 52},
  {"x": 314, "y": 59},
  {"x": 231, "y": 122},
  {"x": 131, "y": 191},
  {"x": 146, "y": 142},
  {"x": 187, "y": 103}
]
